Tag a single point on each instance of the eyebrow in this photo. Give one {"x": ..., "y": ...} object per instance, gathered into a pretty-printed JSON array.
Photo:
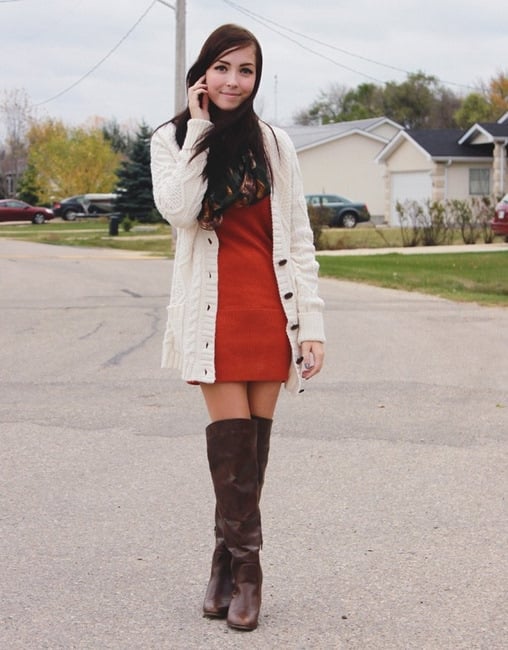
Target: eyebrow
[{"x": 242, "y": 65}]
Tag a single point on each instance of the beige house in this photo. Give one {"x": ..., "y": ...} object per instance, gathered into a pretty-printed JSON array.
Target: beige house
[
  {"x": 340, "y": 159},
  {"x": 440, "y": 164}
]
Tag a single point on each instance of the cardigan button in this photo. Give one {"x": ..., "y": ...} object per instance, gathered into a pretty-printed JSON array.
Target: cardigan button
[
  {"x": 288, "y": 295},
  {"x": 295, "y": 326},
  {"x": 282, "y": 262},
  {"x": 299, "y": 360}
]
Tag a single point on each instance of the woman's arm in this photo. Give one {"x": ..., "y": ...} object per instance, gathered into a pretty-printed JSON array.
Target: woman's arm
[
  {"x": 309, "y": 304},
  {"x": 178, "y": 183}
]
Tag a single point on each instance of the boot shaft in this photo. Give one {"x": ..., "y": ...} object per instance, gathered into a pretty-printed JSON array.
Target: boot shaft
[{"x": 232, "y": 457}]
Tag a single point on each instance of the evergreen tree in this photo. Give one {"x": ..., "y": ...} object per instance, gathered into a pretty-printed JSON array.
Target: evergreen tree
[
  {"x": 135, "y": 198},
  {"x": 28, "y": 187}
]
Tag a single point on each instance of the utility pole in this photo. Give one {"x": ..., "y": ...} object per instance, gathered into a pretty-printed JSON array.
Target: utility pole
[{"x": 180, "y": 99}]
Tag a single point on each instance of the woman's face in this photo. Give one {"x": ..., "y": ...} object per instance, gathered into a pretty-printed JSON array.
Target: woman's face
[{"x": 230, "y": 80}]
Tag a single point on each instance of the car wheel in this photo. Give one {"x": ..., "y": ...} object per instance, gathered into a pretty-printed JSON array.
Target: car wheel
[
  {"x": 70, "y": 215},
  {"x": 38, "y": 218},
  {"x": 349, "y": 220}
]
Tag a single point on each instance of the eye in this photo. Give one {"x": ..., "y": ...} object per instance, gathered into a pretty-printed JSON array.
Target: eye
[
  {"x": 220, "y": 67},
  {"x": 247, "y": 71}
]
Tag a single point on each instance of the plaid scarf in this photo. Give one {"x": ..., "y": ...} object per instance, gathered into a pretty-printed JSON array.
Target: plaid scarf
[{"x": 244, "y": 184}]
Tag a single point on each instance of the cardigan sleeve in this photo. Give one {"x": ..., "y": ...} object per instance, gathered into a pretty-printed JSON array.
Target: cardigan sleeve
[
  {"x": 303, "y": 255},
  {"x": 178, "y": 183}
]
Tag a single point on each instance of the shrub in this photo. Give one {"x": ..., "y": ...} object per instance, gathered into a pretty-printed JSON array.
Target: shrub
[
  {"x": 319, "y": 217},
  {"x": 127, "y": 223}
]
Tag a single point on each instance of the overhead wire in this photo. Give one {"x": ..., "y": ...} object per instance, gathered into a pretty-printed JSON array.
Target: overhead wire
[
  {"x": 266, "y": 22},
  {"x": 104, "y": 58}
]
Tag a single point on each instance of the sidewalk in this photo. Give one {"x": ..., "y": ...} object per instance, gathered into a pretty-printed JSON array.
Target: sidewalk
[{"x": 495, "y": 247}]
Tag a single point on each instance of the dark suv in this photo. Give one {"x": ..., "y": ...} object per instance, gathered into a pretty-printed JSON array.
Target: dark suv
[
  {"x": 84, "y": 205},
  {"x": 343, "y": 212}
]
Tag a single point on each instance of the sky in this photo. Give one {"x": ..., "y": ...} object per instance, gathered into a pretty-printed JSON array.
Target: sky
[{"x": 77, "y": 59}]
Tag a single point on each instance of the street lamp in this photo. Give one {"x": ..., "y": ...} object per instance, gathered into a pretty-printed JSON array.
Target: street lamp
[{"x": 180, "y": 90}]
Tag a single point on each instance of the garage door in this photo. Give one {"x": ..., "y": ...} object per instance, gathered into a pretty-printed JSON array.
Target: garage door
[{"x": 409, "y": 186}]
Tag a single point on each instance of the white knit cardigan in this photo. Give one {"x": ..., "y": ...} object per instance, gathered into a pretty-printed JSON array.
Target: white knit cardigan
[{"x": 179, "y": 187}]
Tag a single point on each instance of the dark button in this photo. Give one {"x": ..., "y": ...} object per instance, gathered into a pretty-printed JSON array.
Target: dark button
[
  {"x": 209, "y": 240},
  {"x": 299, "y": 360},
  {"x": 206, "y": 371},
  {"x": 302, "y": 390},
  {"x": 295, "y": 326},
  {"x": 288, "y": 295},
  {"x": 208, "y": 308},
  {"x": 282, "y": 262}
]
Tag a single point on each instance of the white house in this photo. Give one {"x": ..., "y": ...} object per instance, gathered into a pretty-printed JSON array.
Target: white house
[
  {"x": 340, "y": 159},
  {"x": 440, "y": 164},
  {"x": 378, "y": 162}
]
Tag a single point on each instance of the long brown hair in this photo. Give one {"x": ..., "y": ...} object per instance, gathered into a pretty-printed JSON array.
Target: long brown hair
[{"x": 233, "y": 132}]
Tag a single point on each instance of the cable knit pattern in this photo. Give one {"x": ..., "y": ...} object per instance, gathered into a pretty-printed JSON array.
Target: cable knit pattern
[{"x": 179, "y": 188}]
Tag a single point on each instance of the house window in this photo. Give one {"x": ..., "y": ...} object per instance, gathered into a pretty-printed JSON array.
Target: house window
[{"x": 479, "y": 182}]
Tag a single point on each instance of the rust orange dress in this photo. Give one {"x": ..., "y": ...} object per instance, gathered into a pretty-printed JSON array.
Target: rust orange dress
[{"x": 250, "y": 340}]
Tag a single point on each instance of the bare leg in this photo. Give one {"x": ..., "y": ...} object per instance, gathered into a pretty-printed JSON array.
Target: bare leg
[
  {"x": 234, "y": 588},
  {"x": 226, "y": 400},
  {"x": 263, "y": 396}
]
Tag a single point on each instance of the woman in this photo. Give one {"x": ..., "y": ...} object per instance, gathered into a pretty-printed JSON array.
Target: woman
[{"x": 244, "y": 313}]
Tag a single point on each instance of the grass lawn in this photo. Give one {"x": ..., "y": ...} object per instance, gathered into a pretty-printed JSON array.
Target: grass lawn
[
  {"x": 475, "y": 277},
  {"x": 94, "y": 233}
]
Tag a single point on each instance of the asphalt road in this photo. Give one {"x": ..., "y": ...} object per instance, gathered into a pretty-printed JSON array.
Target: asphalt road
[{"x": 384, "y": 509}]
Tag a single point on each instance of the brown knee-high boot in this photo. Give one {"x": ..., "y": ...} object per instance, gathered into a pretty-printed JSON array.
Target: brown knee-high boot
[
  {"x": 232, "y": 456},
  {"x": 264, "y": 428},
  {"x": 220, "y": 586}
]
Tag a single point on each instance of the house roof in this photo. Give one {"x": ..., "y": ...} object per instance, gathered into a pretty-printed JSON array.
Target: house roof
[
  {"x": 489, "y": 130},
  {"x": 437, "y": 143},
  {"x": 440, "y": 143},
  {"x": 306, "y": 137}
]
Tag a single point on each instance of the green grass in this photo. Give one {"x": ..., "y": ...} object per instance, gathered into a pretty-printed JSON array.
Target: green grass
[
  {"x": 154, "y": 239},
  {"x": 474, "y": 277}
]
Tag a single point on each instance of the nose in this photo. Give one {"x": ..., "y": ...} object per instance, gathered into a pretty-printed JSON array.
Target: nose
[{"x": 232, "y": 80}]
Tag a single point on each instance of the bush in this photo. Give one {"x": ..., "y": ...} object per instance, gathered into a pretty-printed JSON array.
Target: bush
[
  {"x": 433, "y": 222},
  {"x": 409, "y": 216},
  {"x": 319, "y": 217},
  {"x": 127, "y": 223},
  {"x": 465, "y": 220}
]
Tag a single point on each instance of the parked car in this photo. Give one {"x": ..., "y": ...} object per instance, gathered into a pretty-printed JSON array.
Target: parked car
[
  {"x": 84, "y": 205},
  {"x": 15, "y": 210},
  {"x": 499, "y": 223},
  {"x": 343, "y": 212}
]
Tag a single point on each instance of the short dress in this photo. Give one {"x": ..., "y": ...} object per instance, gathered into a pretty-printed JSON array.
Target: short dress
[{"x": 251, "y": 343}]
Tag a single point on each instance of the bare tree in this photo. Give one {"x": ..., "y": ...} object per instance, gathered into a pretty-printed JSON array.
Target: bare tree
[{"x": 16, "y": 113}]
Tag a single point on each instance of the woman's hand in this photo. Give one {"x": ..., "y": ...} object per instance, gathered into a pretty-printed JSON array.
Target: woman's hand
[
  {"x": 197, "y": 96},
  {"x": 313, "y": 353}
]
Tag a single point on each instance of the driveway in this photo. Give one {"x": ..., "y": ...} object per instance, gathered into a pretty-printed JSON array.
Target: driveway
[{"x": 384, "y": 507}]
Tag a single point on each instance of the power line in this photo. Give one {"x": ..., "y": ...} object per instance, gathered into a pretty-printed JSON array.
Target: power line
[
  {"x": 104, "y": 58},
  {"x": 266, "y": 23}
]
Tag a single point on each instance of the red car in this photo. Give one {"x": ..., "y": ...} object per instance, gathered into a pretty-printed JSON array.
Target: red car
[
  {"x": 15, "y": 210},
  {"x": 499, "y": 223}
]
